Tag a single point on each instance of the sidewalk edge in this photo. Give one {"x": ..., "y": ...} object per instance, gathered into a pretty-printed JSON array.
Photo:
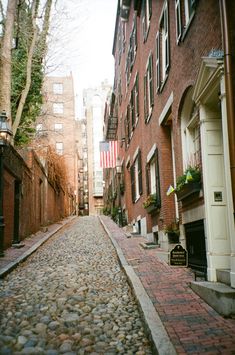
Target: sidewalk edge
[
  {"x": 160, "y": 339},
  {"x": 13, "y": 264}
]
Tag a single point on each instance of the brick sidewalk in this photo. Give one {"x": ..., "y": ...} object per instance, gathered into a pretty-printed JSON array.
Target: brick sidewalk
[{"x": 192, "y": 325}]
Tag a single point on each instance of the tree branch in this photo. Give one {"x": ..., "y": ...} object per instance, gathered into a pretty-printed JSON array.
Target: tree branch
[{"x": 25, "y": 91}]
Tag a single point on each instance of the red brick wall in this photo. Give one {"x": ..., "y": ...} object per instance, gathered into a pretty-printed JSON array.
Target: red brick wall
[
  {"x": 204, "y": 34},
  {"x": 8, "y": 207},
  {"x": 40, "y": 203}
]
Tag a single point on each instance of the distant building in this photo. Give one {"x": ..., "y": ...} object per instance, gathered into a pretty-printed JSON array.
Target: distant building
[
  {"x": 94, "y": 104},
  {"x": 83, "y": 167},
  {"x": 56, "y": 127}
]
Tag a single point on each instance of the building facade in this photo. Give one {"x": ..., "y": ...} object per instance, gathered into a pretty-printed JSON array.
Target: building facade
[
  {"x": 94, "y": 104},
  {"x": 83, "y": 168},
  {"x": 173, "y": 96},
  {"x": 57, "y": 128}
]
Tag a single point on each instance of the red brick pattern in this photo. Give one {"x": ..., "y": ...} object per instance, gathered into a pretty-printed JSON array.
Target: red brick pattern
[{"x": 192, "y": 325}]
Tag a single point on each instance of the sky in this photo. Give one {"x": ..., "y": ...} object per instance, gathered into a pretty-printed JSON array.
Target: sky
[{"x": 81, "y": 42}]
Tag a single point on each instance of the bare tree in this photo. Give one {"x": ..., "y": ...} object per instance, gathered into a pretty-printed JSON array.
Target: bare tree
[
  {"x": 35, "y": 6},
  {"x": 5, "y": 59},
  {"x": 41, "y": 49}
]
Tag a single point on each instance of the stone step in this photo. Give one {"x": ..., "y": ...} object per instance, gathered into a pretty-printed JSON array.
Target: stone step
[
  {"x": 223, "y": 276},
  {"x": 218, "y": 295}
]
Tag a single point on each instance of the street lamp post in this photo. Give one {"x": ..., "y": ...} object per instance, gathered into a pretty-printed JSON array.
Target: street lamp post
[
  {"x": 5, "y": 135},
  {"x": 119, "y": 173}
]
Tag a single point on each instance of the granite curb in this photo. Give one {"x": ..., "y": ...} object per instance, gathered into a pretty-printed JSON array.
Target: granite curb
[
  {"x": 162, "y": 344},
  {"x": 14, "y": 263}
]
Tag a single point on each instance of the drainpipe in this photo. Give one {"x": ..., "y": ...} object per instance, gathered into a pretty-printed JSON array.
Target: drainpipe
[{"x": 229, "y": 89}]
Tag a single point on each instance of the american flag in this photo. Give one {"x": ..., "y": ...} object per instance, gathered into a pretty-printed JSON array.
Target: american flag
[{"x": 108, "y": 154}]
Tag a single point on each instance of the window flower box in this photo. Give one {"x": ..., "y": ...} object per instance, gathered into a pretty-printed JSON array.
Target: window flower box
[
  {"x": 151, "y": 203},
  {"x": 151, "y": 208},
  {"x": 187, "y": 190}
]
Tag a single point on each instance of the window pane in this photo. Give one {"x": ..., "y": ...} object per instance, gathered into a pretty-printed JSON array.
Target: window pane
[
  {"x": 153, "y": 178},
  {"x": 59, "y": 148},
  {"x": 58, "y": 126},
  {"x": 58, "y": 88},
  {"x": 58, "y": 107},
  {"x": 39, "y": 127}
]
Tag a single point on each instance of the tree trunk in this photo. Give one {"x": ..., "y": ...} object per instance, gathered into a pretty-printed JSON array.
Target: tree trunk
[
  {"x": 5, "y": 60},
  {"x": 25, "y": 91},
  {"x": 45, "y": 29}
]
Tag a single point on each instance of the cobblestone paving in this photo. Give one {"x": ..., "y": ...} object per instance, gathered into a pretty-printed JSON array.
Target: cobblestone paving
[{"x": 71, "y": 297}]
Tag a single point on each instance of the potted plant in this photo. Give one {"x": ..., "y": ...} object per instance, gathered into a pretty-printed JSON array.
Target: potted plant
[
  {"x": 151, "y": 203},
  {"x": 189, "y": 183}
]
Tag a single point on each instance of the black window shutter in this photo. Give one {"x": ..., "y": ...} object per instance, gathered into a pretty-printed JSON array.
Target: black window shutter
[
  {"x": 158, "y": 190},
  {"x": 147, "y": 179},
  {"x": 137, "y": 95},
  {"x": 133, "y": 183},
  {"x": 140, "y": 173},
  {"x": 151, "y": 79},
  {"x": 145, "y": 98},
  {"x": 150, "y": 8}
]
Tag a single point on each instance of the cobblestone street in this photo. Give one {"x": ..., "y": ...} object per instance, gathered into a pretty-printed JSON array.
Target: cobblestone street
[{"x": 71, "y": 297}]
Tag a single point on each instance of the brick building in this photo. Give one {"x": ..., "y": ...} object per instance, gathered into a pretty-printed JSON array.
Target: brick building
[
  {"x": 57, "y": 127},
  {"x": 30, "y": 199},
  {"x": 175, "y": 112}
]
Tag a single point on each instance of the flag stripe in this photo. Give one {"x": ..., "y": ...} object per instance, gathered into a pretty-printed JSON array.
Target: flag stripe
[{"x": 108, "y": 154}]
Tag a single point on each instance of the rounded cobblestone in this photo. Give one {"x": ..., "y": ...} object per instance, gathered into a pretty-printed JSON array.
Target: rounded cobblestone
[{"x": 71, "y": 297}]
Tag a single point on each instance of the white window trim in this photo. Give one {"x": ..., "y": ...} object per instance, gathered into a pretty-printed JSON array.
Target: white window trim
[
  {"x": 136, "y": 154},
  {"x": 151, "y": 152},
  {"x": 166, "y": 108}
]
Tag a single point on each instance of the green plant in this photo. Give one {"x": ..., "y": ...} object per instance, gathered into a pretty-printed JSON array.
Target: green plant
[
  {"x": 173, "y": 227},
  {"x": 106, "y": 211},
  {"x": 114, "y": 214},
  {"x": 150, "y": 200},
  {"x": 191, "y": 174}
]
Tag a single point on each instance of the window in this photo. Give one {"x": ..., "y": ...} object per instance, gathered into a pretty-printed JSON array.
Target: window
[
  {"x": 136, "y": 178},
  {"x": 39, "y": 127},
  {"x": 58, "y": 127},
  {"x": 191, "y": 141},
  {"x": 184, "y": 12},
  {"x": 58, "y": 88},
  {"x": 58, "y": 107},
  {"x": 40, "y": 132},
  {"x": 162, "y": 49},
  {"x": 152, "y": 177},
  {"x": 133, "y": 43},
  {"x": 148, "y": 89},
  {"x": 190, "y": 131},
  {"x": 147, "y": 12},
  {"x": 59, "y": 146}
]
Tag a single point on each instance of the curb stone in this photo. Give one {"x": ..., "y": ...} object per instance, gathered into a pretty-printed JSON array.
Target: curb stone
[{"x": 162, "y": 344}]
